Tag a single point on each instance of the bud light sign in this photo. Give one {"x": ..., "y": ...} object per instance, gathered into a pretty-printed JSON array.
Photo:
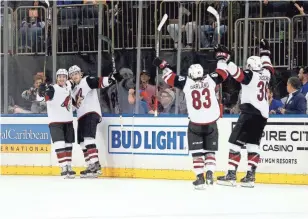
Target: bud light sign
[{"x": 148, "y": 140}]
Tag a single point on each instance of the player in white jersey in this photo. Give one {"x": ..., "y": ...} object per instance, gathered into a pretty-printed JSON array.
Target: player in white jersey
[
  {"x": 85, "y": 98},
  {"x": 203, "y": 111},
  {"x": 60, "y": 115},
  {"x": 254, "y": 114}
]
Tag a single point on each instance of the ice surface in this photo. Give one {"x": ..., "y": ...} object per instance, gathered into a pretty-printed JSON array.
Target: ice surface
[{"x": 28, "y": 197}]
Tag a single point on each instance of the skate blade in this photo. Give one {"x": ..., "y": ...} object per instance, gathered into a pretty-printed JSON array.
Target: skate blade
[
  {"x": 231, "y": 183},
  {"x": 71, "y": 177},
  {"x": 88, "y": 176},
  {"x": 200, "y": 187},
  {"x": 248, "y": 185}
]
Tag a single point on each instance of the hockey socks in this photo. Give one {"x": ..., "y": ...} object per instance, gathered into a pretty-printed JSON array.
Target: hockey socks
[
  {"x": 234, "y": 159},
  {"x": 61, "y": 153}
]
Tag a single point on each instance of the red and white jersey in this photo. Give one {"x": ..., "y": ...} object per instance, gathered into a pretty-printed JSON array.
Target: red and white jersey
[
  {"x": 59, "y": 103},
  {"x": 86, "y": 92},
  {"x": 202, "y": 104},
  {"x": 254, "y": 87}
]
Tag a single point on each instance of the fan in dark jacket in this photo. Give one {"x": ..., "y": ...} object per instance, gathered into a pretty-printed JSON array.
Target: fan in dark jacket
[{"x": 296, "y": 102}]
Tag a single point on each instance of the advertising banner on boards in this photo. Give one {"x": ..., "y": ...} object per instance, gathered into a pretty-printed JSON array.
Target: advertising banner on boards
[{"x": 25, "y": 138}]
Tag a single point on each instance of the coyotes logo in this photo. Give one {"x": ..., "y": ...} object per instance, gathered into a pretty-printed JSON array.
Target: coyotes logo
[
  {"x": 79, "y": 98},
  {"x": 67, "y": 102}
]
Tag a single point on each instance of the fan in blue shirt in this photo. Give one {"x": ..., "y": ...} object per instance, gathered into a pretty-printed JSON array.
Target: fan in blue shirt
[
  {"x": 303, "y": 77},
  {"x": 274, "y": 104}
]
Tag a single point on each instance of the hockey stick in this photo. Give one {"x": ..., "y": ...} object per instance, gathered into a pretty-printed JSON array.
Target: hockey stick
[
  {"x": 161, "y": 24},
  {"x": 114, "y": 70},
  {"x": 48, "y": 23},
  {"x": 216, "y": 15}
]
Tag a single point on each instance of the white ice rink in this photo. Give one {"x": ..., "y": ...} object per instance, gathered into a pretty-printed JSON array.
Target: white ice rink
[{"x": 56, "y": 198}]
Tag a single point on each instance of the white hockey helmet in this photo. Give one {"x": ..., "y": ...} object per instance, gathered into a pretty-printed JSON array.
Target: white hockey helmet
[
  {"x": 195, "y": 71},
  {"x": 73, "y": 69},
  {"x": 62, "y": 71},
  {"x": 254, "y": 63}
]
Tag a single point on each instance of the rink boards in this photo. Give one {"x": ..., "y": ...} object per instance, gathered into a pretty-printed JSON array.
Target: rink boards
[{"x": 155, "y": 148}]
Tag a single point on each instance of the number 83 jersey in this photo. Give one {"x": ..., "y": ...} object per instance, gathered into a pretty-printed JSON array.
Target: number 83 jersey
[
  {"x": 200, "y": 95},
  {"x": 202, "y": 104}
]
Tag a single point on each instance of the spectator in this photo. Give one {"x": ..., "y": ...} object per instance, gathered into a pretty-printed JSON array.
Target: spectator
[
  {"x": 32, "y": 28},
  {"x": 296, "y": 102},
  {"x": 189, "y": 28},
  {"x": 30, "y": 95},
  {"x": 303, "y": 77},
  {"x": 167, "y": 100},
  {"x": 143, "y": 106},
  {"x": 274, "y": 104},
  {"x": 149, "y": 89},
  {"x": 208, "y": 29}
]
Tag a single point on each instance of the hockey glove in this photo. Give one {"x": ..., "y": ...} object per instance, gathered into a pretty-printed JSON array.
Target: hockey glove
[
  {"x": 264, "y": 48},
  {"x": 161, "y": 64},
  {"x": 222, "y": 52},
  {"x": 117, "y": 76},
  {"x": 42, "y": 90}
]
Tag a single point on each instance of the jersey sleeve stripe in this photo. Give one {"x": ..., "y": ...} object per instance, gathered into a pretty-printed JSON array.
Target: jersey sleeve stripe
[
  {"x": 222, "y": 73},
  {"x": 103, "y": 82},
  {"x": 46, "y": 97},
  {"x": 169, "y": 78},
  {"x": 268, "y": 66},
  {"x": 239, "y": 74}
]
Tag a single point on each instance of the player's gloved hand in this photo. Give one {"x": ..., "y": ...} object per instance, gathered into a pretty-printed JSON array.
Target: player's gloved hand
[
  {"x": 264, "y": 48},
  {"x": 116, "y": 76},
  {"x": 222, "y": 52},
  {"x": 42, "y": 90},
  {"x": 162, "y": 64}
]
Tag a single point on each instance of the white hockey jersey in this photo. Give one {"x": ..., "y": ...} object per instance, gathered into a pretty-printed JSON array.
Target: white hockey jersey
[
  {"x": 59, "y": 103},
  {"x": 202, "y": 104},
  {"x": 86, "y": 90},
  {"x": 254, "y": 87}
]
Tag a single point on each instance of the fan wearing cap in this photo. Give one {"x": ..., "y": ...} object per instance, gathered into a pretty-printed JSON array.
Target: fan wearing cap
[
  {"x": 88, "y": 109},
  {"x": 167, "y": 100},
  {"x": 60, "y": 115}
]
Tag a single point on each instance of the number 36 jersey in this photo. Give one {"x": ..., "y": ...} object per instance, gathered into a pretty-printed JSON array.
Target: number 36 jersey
[
  {"x": 202, "y": 104},
  {"x": 255, "y": 85}
]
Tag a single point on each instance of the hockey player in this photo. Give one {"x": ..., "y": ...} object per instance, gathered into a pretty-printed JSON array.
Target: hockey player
[
  {"x": 60, "y": 115},
  {"x": 254, "y": 114},
  {"x": 203, "y": 111},
  {"x": 85, "y": 96}
]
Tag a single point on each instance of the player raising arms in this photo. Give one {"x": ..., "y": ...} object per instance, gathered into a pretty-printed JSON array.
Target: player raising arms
[
  {"x": 203, "y": 111},
  {"x": 60, "y": 115},
  {"x": 86, "y": 100},
  {"x": 254, "y": 114}
]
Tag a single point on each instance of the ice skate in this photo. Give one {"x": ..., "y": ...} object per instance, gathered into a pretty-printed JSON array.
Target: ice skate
[
  {"x": 87, "y": 173},
  {"x": 209, "y": 177},
  {"x": 199, "y": 183},
  {"x": 64, "y": 172},
  {"x": 96, "y": 169},
  {"x": 249, "y": 180},
  {"x": 227, "y": 180},
  {"x": 71, "y": 173}
]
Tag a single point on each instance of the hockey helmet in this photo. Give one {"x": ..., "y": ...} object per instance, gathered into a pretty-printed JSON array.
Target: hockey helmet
[
  {"x": 254, "y": 63},
  {"x": 73, "y": 69},
  {"x": 62, "y": 71},
  {"x": 195, "y": 72}
]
